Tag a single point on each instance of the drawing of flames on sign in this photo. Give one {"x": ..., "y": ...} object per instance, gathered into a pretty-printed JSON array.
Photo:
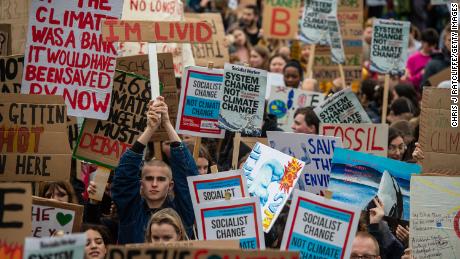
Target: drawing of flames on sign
[
  {"x": 13, "y": 251},
  {"x": 290, "y": 174}
]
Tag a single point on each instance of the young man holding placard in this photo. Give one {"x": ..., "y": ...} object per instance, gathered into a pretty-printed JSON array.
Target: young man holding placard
[{"x": 136, "y": 199}]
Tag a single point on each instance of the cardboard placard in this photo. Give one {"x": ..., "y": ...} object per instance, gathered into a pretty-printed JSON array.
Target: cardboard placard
[
  {"x": 325, "y": 60},
  {"x": 282, "y": 171},
  {"x": 439, "y": 141},
  {"x": 434, "y": 216},
  {"x": 200, "y": 101},
  {"x": 283, "y": 22},
  {"x": 440, "y": 77},
  {"x": 390, "y": 40},
  {"x": 103, "y": 142},
  {"x": 11, "y": 68},
  {"x": 356, "y": 172},
  {"x": 284, "y": 101},
  {"x": 217, "y": 187},
  {"x": 49, "y": 216},
  {"x": 251, "y": 141},
  {"x": 30, "y": 127},
  {"x": 156, "y": 31},
  {"x": 236, "y": 219},
  {"x": 138, "y": 65},
  {"x": 440, "y": 2},
  {"x": 15, "y": 208},
  {"x": 217, "y": 51},
  {"x": 342, "y": 107},
  {"x": 16, "y": 13},
  {"x": 68, "y": 246},
  {"x": 5, "y": 39},
  {"x": 208, "y": 244},
  {"x": 364, "y": 137},
  {"x": 242, "y": 106},
  {"x": 320, "y": 227},
  {"x": 314, "y": 25},
  {"x": 67, "y": 56},
  {"x": 353, "y": 74},
  {"x": 100, "y": 177},
  {"x": 316, "y": 151}
]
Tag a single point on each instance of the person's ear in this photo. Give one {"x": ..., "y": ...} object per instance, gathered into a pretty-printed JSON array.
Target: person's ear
[{"x": 171, "y": 186}]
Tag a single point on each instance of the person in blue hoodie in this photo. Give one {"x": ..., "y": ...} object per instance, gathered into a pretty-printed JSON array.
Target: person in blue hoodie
[{"x": 141, "y": 188}]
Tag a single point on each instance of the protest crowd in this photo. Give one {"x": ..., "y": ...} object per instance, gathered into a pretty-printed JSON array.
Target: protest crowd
[{"x": 229, "y": 129}]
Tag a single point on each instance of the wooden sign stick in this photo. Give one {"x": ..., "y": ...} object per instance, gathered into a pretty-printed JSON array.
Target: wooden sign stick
[
  {"x": 157, "y": 150},
  {"x": 342, "y": 76},
  {"x": 311, "y": 60},
  {"x": 236, "y": 150},
  {"x": 386, "y": 87}
]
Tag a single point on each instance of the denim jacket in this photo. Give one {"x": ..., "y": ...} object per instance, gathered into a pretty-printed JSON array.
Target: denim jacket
[{"x": 133, "y": 211}]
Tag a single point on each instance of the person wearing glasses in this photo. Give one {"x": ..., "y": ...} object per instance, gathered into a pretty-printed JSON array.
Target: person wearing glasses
[
  {"x": 396, "y": 145},
  {"x": 365, "y": 246}
]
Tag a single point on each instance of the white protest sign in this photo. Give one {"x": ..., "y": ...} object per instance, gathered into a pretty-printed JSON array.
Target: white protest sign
[
  {"x": 314, "y": 24},
  {"x": 68, "y": 246},
  {"x": 271, "y": 176},
  {"x": 316, "y": 151},
  {"x": 236, "y": 219},
  {"x": 335, "y": 41},
  {"x": 364, "y": 137},
  {"x": 284, "y": 101},
  {"x": 342, "y": 107},
  {"x": 66, "y": 55},
  {"x": 200, "y": 100},
  {"x": 216, "y": 187},
  {"x": 242, "y": 106},
  {"x": 390, "y": 40},
  {"x": 273, "y": 80},
  {"x": 320, "y": 227},
  {"x": 434, "y": 216}
]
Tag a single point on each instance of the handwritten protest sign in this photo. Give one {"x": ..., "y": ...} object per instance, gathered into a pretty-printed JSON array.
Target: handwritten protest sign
[
  {"x": 355, "y": 172},
  {"x": 271, "y": 176},
  {"x": 284, "y": 101},
  {"x": 439, "y": 141},
  {"x": 200, "y": 101},
  {"x": 145, "y": 252},
  {"x": 15, "y": 224},
  {"x": 67, "y": 56},
  {"x": 364, "y": 137},
  {"x": 16, "y": 13},
  {"x": 236, "y": 219},
  {"x": 11, "y": 68},
  {"x": 138, "y": 64},
  {"x": 342, "y": 107},
  {"x": 319, "y": 227},
  {"x": 335, "y": 40},
  {"x": 217, "y": 51},
  {"x": 30, "y": 127},
  {"x": 217, "y": 187},
  {"x": 283, "y": 22},
  {"x": 434, "y": 216},
  {"x": 316, "y": 151},
  {"x": 49, "y": 216},
  {"x": 5, "y": 39},
  {"x": 68, "y": 246},
  {"x": 103, "y": 142},
  {"x": 314, "y": 25},
  {"x": 390, "y": 40},
  {"x": 208, "y": 244},
  {"x": 242, "y": 105}
]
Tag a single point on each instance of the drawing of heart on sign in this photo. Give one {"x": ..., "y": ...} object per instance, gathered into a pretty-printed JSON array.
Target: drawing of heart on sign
[{"x": 63, "y": 219}]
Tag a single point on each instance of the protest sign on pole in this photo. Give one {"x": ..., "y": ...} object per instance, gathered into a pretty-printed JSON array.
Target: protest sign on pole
[
  {"x": 364, "y": 137},
  {"x": 50, "y": 216},
  {"x": 207, "y": 244},
  {"x": 284, "y": 18},
  {"x": 319, "y": 227},
  {"x": 355, "y": 172},
  {"x": 314, "y": 150},
  {"x": 217, "y": 51},
  {"x": 31, "y": 126},
  {"x": 200, "y": 101},
  {"x": 11, "y": 68},
  {"x": 5, "y": 39},
  {"x": 284, "y": 101},
  {"x": 16, "y": 14},
  {"x": 67, "y": 246},
  {"x": 335, "y": 41},
  {"x": 138, "y": 64},
  {"x": 434, "y": 216},
  {"x": 242, "y": 105},
  {"x": 314, "y": 24},
  {"x": 100, "y": 178},
  {"x": 15, "y": 224},
  {"x": 342, "y": 107},
  {"x": 273, "y": 80},
  {"x": 217, "y": 187},
  {"x": 438, "y": 140},
  {"x": 271, "y": 176},
  {"x": 233, "y": 219},
  {"x": 67, "y": 56},
  {"x": 102, "y": 142}
]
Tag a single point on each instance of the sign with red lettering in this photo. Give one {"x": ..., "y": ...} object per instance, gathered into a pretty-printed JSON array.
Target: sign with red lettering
[
  {"x": 15, "y": 224},
  {"x": 150, "y": 31},
  {"x": 50, "y": 216},
  {"x": 364, "y": 137},
  {"x": 30, "y": 127},
  {"x": 67, "y": 56},
  {"x": 439, "y": 141},
  {"x": 103, "y": 142},
  {"x": 284, "y": 19}
]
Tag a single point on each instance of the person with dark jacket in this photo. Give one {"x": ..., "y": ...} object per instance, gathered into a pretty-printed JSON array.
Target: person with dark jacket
[{"x": 138, "y": 198}]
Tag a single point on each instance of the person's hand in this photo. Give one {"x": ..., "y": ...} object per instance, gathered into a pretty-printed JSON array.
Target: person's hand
[
  {"x": 153, "y": 119},
  {"x": 402, "y": 233},
  {"x": 92, "y": 188},
  {"x": 160, "y": 107},
  {"x": 418, "y": 153},
  {"x": 377, "y": 213},
  {"x": 407, "y": 254}
]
